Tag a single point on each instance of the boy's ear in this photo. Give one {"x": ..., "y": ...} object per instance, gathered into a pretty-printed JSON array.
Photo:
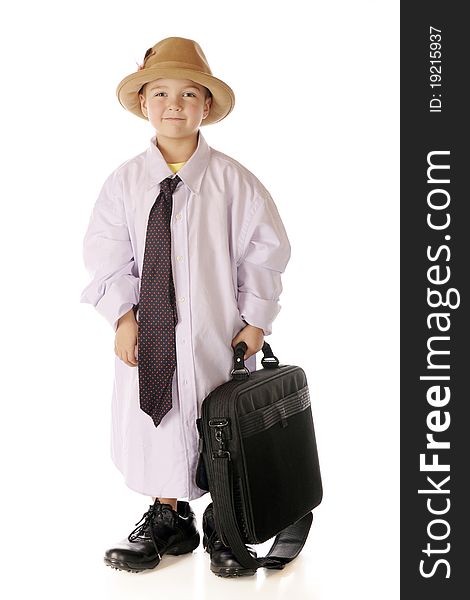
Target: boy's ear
[
  {"x": 207, "y": 107},
  {"x": 143, "y": 105}
]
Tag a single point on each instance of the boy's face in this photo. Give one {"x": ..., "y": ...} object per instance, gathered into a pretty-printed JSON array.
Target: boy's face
[{"x": 175, "y": 107}]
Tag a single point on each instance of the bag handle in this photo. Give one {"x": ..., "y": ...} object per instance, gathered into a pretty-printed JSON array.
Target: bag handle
[{"x": 240, "y": 371}]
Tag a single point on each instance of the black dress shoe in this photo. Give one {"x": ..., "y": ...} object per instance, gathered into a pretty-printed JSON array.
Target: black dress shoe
[
  {"x": 223, "y": 561},
  {"x": 160, "y": 531}
]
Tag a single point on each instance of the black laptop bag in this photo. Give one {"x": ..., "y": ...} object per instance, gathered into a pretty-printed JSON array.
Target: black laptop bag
[{"x": 258, "y": 459}]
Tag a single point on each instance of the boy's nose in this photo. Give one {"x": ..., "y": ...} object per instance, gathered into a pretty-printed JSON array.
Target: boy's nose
[{"x": 174, "y": 103}]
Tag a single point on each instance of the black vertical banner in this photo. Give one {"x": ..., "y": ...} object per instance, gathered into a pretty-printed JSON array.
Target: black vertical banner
[{"x": 435, "y": 259}]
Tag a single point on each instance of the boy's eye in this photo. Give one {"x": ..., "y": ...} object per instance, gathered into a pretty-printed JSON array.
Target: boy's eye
[{"x": 160, "y": 93}]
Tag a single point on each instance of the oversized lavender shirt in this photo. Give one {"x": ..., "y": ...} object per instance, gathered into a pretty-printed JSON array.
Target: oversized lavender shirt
[{"x": 229, "y": 248}]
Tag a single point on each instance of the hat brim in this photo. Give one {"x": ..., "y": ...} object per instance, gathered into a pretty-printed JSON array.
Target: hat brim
[{"x": 223, "y": 98}]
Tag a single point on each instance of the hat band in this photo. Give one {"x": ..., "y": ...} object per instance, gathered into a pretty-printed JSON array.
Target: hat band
[{"x": 173, "y": 64}]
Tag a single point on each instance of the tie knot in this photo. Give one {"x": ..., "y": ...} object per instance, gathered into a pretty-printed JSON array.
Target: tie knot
[{"x": 169, "y": 184}]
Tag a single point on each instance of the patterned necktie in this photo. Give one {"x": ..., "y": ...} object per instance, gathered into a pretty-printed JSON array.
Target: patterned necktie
[{"x": 157, "y": 310}]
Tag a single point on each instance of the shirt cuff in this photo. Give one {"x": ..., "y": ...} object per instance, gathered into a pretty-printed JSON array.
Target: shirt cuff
[
  {"x": 257, "y": 311},
  {"x": 119, "y": 298}
]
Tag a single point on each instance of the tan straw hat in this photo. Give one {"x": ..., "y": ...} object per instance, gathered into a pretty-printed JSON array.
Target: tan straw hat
[{"x": 176, "y": 58}]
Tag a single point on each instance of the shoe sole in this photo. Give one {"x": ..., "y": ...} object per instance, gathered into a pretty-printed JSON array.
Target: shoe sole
[
  {"x": 120, "y": 565},
  {"x": 184, "y": 547},
  {"x": 232, "y": 571}
]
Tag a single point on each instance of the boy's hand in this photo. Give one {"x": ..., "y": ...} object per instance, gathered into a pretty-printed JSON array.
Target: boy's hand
[
  {"x": 253, "y": 338},
  {"x": 125, "y": 341}
]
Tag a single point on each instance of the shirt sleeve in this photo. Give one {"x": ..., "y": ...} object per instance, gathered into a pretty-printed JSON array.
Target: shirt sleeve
[
  {"x": 265, "y": 253},
  {"x": 109, "y": 257}
]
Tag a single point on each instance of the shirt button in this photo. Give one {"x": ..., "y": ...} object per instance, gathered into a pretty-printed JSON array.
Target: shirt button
[
  {"x": 185, "y": 382},
  {"x": 181, "y": 299},
  {"x": 179, "y": 258},
  {"x": 178, "y": 216}
]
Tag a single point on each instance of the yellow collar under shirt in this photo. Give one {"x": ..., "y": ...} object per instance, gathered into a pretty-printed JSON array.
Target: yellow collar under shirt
[{"x": 175, "y": 167}]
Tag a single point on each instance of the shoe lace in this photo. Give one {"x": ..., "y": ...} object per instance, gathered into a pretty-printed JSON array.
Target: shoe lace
[
  {"x": 157, "y": 512},
  {"x": 214, "y": 539},
  {"x": 211, "y": 540}
]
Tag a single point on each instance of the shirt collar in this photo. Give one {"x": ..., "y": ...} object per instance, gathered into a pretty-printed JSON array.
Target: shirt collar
[{"x": 191, "y": 173}]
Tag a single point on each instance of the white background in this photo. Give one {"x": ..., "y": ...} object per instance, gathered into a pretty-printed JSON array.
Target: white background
[{"x": 316, "y": 87}]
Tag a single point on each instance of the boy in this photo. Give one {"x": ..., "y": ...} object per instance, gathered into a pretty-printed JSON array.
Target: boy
[{"x": 183, "y": 267}]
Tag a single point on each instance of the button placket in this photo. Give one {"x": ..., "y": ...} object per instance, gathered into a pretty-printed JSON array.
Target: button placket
[{"x": 185, "y": 362}]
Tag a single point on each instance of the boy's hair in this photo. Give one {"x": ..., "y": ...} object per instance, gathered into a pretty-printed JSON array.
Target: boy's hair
[{"x": 207, "y": 92}]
